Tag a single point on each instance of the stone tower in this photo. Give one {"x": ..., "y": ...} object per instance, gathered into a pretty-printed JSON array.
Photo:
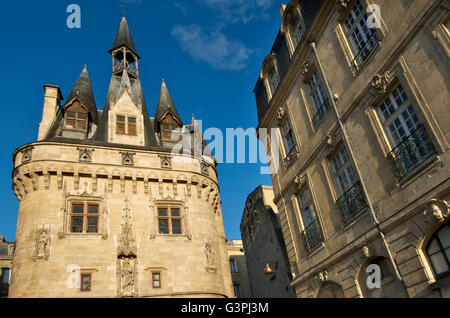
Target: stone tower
[{"x": 108, "y": 208}]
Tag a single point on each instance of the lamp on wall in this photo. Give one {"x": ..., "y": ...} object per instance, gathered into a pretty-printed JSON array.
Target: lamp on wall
[{"x": 268, "y": 270}]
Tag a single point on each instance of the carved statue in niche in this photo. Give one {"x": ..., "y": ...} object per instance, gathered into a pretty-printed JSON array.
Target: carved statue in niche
[
  {"x": 436, "y": 210},
  {"x": 209, "y": 253},
  {"x": 127, "y": 275},
  {"x": 42, "y": 244}
]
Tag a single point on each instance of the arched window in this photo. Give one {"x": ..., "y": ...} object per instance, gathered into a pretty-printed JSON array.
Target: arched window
[
  {"x": 331, "y": 290},
  {"x": 76, "y": 117},
  {"x": 438, "y": 251},
  {"x": 296, "y": 32}
]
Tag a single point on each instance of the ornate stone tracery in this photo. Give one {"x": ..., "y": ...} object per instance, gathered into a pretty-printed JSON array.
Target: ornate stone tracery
[{"x": 126, "y": 256}]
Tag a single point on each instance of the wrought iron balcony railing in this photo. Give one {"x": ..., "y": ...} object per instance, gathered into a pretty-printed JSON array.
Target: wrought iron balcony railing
[
  {"x": 321, "y": 112},
  {"x": 365, "y": 50},
  {"x": 312, "y": 235},
  {"x": 413, "y": 151},
  {"x": 352, "y": 203},
  {"x": 290, "y": 158}
]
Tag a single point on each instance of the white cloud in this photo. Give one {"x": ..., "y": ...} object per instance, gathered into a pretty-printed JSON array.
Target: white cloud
[
  {"x": 240, "y": 10},
  {"x": 214, "y": 49}
]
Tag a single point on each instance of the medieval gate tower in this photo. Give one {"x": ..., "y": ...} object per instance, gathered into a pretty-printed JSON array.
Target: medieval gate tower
[{"x": 107, "y": 208}]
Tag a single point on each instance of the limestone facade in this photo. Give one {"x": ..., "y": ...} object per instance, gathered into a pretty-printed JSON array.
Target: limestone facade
[
  {"x": 264, "y": 245},
  {"x": 238, "y": 269},
  {"x": 357, "y": 91},
  {"x": 6, "y": 256}
]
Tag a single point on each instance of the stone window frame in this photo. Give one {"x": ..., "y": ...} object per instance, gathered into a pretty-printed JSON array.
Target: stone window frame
[
  {"x": 126, "y": 125},
  {"x": 102, "y": 217},
  {"x": 234, "y": 268},
  {"x": 76, "y": 103},
  {"x": 377, "y": 93},
  {"x": 343, "y": 36},
  {"x": 301, "y": 182},
  {"x": 82, "y": 275},
  {"x": 426, "y": 247},
  {"x": 184, "y": 217},
  {"x": 85, "y": 215},
  {"x": 159, "y": 280},
  {"x": 287, "y": 24},
  {"x": 309, "y": 68},
  {"x": 270, "y": 66},
  {"x": 2, "y": 274},
  {"x": 282, "y": 117}
]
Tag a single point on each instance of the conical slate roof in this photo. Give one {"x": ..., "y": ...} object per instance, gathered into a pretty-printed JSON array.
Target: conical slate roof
[
  {"x": 123, "y": 37},
  {"x": 165, "y": 103},
  {"x": 83, "y": 90}
]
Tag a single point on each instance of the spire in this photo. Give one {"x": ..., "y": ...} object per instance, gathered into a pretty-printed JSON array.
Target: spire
[
  {"x": 83, "y": 90},
  {"x": 123, "y": 38},
  {"x": 166, "y": 104}
]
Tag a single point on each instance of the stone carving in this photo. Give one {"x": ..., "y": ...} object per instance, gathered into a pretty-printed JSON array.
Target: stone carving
[
  {"x": 126, "y": 255},
  {"x": 127, "y": 159},
  {"x": 26, "y": 154},
  {"x": 209, "y": 254},
  {"x": 281, "y": 114},
  {"x": 436, "y": 211},
  {"x": 366, "y": 251},
  {"x": 85, "y": 154},
  {"x": 300, "y": 182},
  {"x": 165, "y": 162},
  {"x": 342, "y": 5},
  {"x": 42, "y": 244},
  {"x": 305, "y": 68},
  {"x": 322, "y": 276},
  {"x": 204, "y": 169},
  {"x": 379, "y": 83}
]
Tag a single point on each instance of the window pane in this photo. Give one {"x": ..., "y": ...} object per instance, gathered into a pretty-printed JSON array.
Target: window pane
[
  {"x": 78, "y": 208},
  {"x": 82, "y": 116},
  {"x": 81, "y": 124},
  {"x": 166, "y": 127},
  {"x": 77, "y": 224},
  {"x": 175, "y": 212},
  {"x": 92, "y": 225},
  {"x": 93, "y": 209},
  {"x": 120, "y": 128},
  {"x": 163, "y": 226},
  {"x": 439, "y": 263},
  {"x": 156, "y": 280},
  {"x": 70, "y": 115},
  {"x": 85, "y": 282},
  {"x": 70, "y": 123},
  {"x": 162, "y": 212},
  {"x": 5, "y": 275},
  {"x": 131, "y": 129},
  {"x": 121, "y": 119},
  {"x": 176, "y": 226},
  {"x": 131, "y": 120},
  {"x": 444, "y": 236}
]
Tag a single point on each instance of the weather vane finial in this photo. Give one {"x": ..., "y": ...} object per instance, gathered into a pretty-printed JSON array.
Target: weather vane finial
[{"x": 123, "y": 8}]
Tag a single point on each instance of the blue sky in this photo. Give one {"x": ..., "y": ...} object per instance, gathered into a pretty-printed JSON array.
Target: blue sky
[{"x": 209, "y": 52}]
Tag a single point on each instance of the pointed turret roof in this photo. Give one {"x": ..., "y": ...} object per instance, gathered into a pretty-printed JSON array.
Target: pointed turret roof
[
  {"x": 83, "y": 90},
  {"x": 123, "y": 37},
  {"x": 165, "y": 103}
]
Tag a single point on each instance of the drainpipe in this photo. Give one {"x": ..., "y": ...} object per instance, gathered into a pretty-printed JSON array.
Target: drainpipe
[{"x": 358, "y": 171}]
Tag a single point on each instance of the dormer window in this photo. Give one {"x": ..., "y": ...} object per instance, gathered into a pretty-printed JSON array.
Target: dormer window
[
  {"x": 126, "y": 125},
  {"x": 296, "y": 33},
  {"x": 76, "y": 117},
  {"x": 273, "y": 81}
]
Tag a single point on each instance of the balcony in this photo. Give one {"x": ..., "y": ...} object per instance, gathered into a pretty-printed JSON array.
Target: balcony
[
  {"x": 364, "y": 52},
  {"x": 352, "y": 203},
  {"x": 321, "y": 112},
  {"x": 411, "y": 153},
  {"x": 312, "y": 236},
  {"x": 290, "y": 158}
]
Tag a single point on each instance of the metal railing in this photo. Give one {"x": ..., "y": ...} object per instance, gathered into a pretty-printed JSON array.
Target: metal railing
[
  {"x": 290, "y": 158},
  {"x": 411, "y": 153},
  {"x": 312, "y": 235},
  {"x": 321, "y": 112},
  {"x": 118, "y": 67},
  {"x": 352, "y": 203},
  {"x": 364, "y": 52}
]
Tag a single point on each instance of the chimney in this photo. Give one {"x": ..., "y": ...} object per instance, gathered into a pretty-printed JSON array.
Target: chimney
[
  {"x": 281, "y": 11},
  {"x": 52, "y": 99}
]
